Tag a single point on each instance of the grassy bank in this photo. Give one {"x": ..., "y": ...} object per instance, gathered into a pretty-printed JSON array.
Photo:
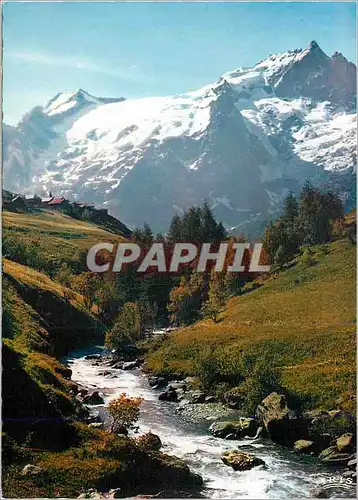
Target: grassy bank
[
  {"x": 43, "y": 319},
  {"x": 46, "y": 240},
  {"x": 85, "y": 458},
  {"x": 299, "y": 323}
]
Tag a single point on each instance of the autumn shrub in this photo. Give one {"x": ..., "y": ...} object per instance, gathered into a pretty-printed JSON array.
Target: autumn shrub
[{"x": 124, "y": 412}]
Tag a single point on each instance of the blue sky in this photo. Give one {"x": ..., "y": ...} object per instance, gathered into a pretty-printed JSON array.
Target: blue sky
[{"x": 142, "y": 49}]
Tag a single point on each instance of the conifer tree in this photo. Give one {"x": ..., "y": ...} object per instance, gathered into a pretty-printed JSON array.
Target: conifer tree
[
  {"x": 147, "y": 235},
  {"x": 137, "y": 235},
  {"x": 221, "y": 233},
  {"x": 191, "y": 224},
  {"x": 290, "y": 210},
  {"x": 175, "y": 229},
  {"x": 209, "y": 230}
]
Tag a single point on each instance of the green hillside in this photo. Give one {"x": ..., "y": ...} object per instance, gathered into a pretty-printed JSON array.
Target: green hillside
[
  {"x": 43, "y": 319},
  {"x": 44, "y": 240},
  {"x": 299, "y": 322}
]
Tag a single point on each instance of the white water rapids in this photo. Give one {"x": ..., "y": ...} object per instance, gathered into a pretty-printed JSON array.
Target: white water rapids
[{"x": 286, "y": 474}]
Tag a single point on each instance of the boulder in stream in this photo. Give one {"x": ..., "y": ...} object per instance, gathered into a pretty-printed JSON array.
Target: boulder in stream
[
  {"x": 345, "y": 443},
  {"x": 332, "y": 456},
  {"x": 284, "y": 425},
  {"x": 197, "y": 397},
  {"x": 155, "y": 382},
  {"x": 304, "y": 446},
  {"x": 236, "y": 429},
  {"x": 97, "y": 357},
  {"x": 93, "y": 399},
  {"x": 118, "y": 365},
  {"x": 240, "y": 461},
  {"x": 168, "y": 395},
  {"x": 130, "y": 365}
]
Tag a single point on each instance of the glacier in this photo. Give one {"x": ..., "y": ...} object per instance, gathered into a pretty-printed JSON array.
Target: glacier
[{"x": 240, "y": 143}]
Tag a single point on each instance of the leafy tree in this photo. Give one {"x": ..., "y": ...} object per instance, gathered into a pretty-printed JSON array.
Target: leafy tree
[
  {"x": 148, "y": 313},
  {"x": 207, "y": 366},
  {"x": 87, "y": 284},
  {"x": 124, "y": 412},
  {"x": 185, "y": 300},
  {"x": 107, "y": 298},
  {"x": 179, "y": 305},
  {"x": 127, "y": 327},
  {"x": 317, "y": 212},
  {"x": 219, "y": 291}
]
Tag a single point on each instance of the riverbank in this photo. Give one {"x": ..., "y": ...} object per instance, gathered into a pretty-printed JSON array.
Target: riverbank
[
  {"x": 286, "y": 474},
  {"x": 295, "y": 329}
]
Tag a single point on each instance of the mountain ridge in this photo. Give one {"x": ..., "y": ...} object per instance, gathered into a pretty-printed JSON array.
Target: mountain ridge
[{"x": 241, "y": 142}]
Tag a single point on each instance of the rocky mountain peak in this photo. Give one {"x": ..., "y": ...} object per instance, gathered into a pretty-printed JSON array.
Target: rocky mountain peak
[
  {"x": 240, "y": 142},
  {"x": 314, "y": 46}
]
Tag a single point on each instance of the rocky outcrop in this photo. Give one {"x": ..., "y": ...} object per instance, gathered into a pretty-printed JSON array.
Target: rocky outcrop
[
  {"x": 240, "y": 461},
  {"x": 235, "y": 429},
  {"x": 130, "y": 365},
  {"x": 345, "y": 443},
  {"x": 155, "y": 382},
  {"x": 127, "y": 352},
  {"x": 64, "y": 372},
  {"x": 332, "y": 456},
  {"x": 91, "y": 493},
  {"x": 304, "y": 446},
  {"x": 149, "y": 441},
  {"x": 284, "y": 425},
  {"x": 31, "y": 470},
  {"x": 197, "y": 397},
  {"x": 96, "y": 357},
  {"x": 325, "y": 426},
  {"x": 93, "y": 399},
  {"x": 170, "y": 472},
  {"x": 168, "y": 395}
]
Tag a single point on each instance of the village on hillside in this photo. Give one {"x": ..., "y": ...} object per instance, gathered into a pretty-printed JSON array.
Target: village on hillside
[{"x": 14, "y": 202}]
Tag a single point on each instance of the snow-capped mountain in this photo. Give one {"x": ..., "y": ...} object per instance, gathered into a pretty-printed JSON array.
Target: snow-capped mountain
[{"x": 240, "y": 143}]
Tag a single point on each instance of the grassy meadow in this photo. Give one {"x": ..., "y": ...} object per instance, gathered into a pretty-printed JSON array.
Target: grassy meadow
[{"x": 300, "y": 322}]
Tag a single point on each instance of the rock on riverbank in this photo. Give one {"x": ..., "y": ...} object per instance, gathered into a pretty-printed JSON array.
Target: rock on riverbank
[{"x": 204, "y": 412}]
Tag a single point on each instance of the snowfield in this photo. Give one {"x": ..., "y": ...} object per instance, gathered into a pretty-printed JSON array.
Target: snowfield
[{"x": 165, "y": 152}]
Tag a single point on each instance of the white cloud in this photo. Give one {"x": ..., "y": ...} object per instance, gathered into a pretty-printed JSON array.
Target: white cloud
[{"x": 74, "y": 62}]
